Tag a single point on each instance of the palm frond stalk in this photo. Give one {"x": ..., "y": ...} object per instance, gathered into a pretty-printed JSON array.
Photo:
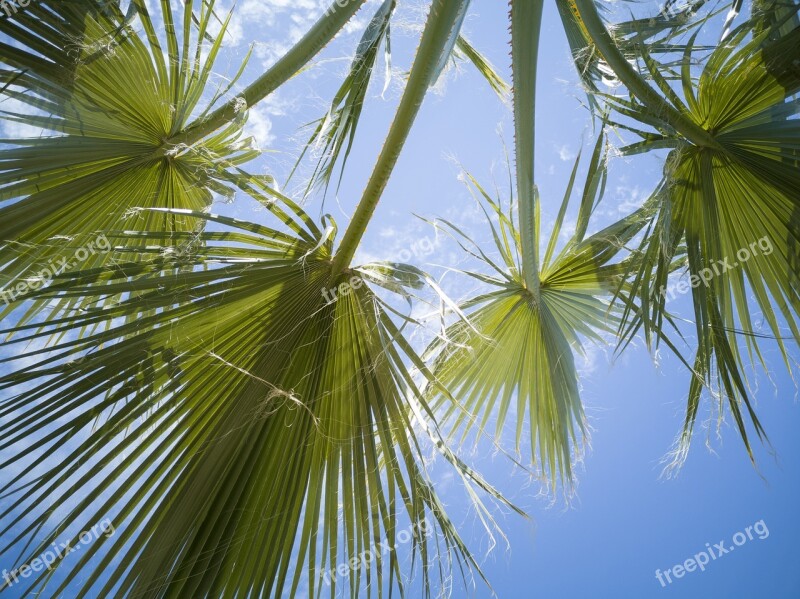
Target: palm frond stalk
[
  {"x": 435, "y": 47},
  {"x": 526, "y": 22},
  {"x": 298, "y": 56}
]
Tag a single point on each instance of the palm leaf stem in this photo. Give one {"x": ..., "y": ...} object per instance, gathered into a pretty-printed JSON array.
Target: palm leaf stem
[
  {"x": 445, "y": 17},
  {"x": 635, "y": 83},
  {"x": 526, "y": 21}
]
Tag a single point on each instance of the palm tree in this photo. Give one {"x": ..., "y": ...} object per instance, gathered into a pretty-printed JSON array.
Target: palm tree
[
  {"x": 250, "y": 435},
  {"x": 323, "y": 384}
]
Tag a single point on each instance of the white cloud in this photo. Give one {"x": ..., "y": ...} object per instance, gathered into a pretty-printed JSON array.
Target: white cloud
[
  {"x": 260, "y": 120},
  {"x": 259, "y": 126},
  {"x": 565, "y": 153}
]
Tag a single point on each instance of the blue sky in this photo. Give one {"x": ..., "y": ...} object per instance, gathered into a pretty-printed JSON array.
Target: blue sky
[{"x": 626, "y": 520}]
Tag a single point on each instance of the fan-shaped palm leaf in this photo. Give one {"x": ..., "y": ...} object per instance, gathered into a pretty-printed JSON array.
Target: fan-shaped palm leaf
[
  {"x": 518, "y": 337},
  {"x": 514, "y": 353},
  {"x": 729, "y": 193},
  {"x": 111, "y": 120},
  {"x": 123, "y": 111},
  {"x": 245, "y": 434},
  {"x": 272, "y": 429}
]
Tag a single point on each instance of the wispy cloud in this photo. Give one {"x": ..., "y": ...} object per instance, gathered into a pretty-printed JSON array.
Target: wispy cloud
[{"x": 565, "y": 153}]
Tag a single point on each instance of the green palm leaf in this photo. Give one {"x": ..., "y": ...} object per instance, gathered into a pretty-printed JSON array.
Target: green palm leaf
[
  {"x": 466, "y": 51},
  {"x": 243, "y": 432},
  {"x": 514, "y": 352},
  {"x": 130, "y": 124},
  {"x": 108, "y": 123},
  {"x": 518, "y": 338},
  {"x": 42, "y": 34},
  {"x": 659, "y": 32},
  {"x": 334, "y": 133},
  {"x": 780, "y": 16},
  {"x": 734, "y": 205}
]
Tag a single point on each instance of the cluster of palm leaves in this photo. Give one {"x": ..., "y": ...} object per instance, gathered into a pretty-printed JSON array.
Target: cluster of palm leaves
[{"x": 248, "y": 437}]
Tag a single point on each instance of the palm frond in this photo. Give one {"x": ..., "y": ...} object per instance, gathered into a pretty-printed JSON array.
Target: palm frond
[
  {"x": 659, "y": 32},
  {"x": 131, "y": 120},
  {"x": 514, "y": 353},
  {"x": 466, "y": 51},
  {"x": 334, "y": 133},
  {"x": 105, "y": 126},
  {"x": 245, "y": 433},
  {"x": 778, "y": 16},
  {"x": 733, "y": 207}
]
